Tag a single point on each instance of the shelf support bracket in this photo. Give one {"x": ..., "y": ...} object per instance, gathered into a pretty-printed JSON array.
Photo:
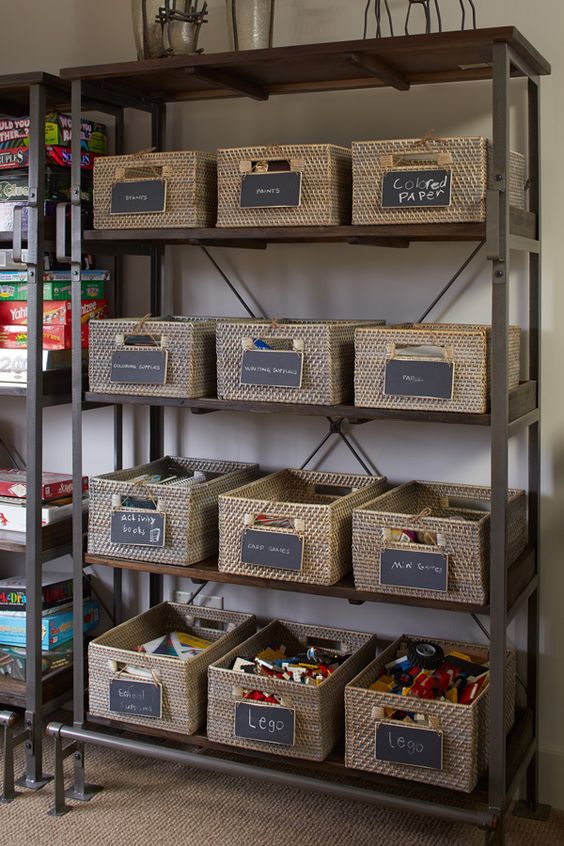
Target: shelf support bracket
[
  {"x": 379, "y": 69},
  {"x": 230, "y": 82},
  {"x": 336, "y": 428}
]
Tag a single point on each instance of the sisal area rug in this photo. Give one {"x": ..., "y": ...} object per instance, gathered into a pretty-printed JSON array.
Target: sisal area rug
[{"x": 164, "y": 804}]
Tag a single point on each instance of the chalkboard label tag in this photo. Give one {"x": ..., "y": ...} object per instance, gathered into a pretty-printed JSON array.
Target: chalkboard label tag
[
  {"x": 139, "y": 367},
  {"x": 414, "y": 568},
  {"x": 399, "y": 743},
  {"x": 416, "y": 189},
  {"x": 272, "y": 549},
  {"x": 138, "y": 528},
  {"x": 144, "y": 699},
  {"x": 148, "y": 196},
  {"x": 277, "y": 368},
  {"x": 406, "y": 377},
  {"x": 267, "y": 723},
  {"x": 276, "y": 190}
]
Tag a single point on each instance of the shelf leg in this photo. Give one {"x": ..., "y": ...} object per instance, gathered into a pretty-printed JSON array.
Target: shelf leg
[
  {"x": 60, "y": 807},
  {"x": 81, "y": 791},
  {"x": 11, "y": 740},
  {"x": 32, "y": 737}
]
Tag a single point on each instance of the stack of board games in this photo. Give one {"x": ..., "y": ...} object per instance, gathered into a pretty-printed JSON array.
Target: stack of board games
[
  {"x": 56, "y": 317},
  {"x": 56, "y": 624},
  {"x": 56, "y": 494}
]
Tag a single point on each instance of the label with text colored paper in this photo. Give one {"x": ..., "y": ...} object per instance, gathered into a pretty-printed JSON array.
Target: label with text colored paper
[
  {"x": 147, "y": 196},
  {"x": 272, "y": 549},
  {"x": 268, "y": 723},
  {"x": 144, "y": 699},
  {"x": 416, "y": 189},
  {"x": 141, "y": 528},
  {"x": 414, "y": 568},
  {"x": 277, "y": 368},
  {"x": 403, "y": 744},
  {"x": 406, "y": 377},
  {"x": 139, "y": 367},
  {"x": 278, "y": 189}
]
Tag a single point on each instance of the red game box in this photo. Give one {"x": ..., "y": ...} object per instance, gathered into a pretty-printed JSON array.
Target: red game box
[
  {"x": 55, "y": 337},
  {"x": 14, "y": 313},
  {"x": 13, "y": 482}
]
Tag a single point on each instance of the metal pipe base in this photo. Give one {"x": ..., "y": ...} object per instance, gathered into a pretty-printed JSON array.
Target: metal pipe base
[
  {"x": 34, "y": 783},
  {"x": 541, "y": 813}
]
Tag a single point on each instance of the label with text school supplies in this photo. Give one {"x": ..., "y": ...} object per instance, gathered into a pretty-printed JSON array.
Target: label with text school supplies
[
  {"x": 148, "y": 196},
  {"x": 277, "y": 368},
  {"x": 140, "y": 528},
  {"x": 414, "y": 568},
  {"x": 275, "y": 190},
  {"x": 139, "y": 367},
  {"x": 416, "y": 189},
  {"x": 272, "y": 549},
  {"x": 399, "y": 743},
  {"x": 144, "y": 699},
  {"x": 267, "y": 723},
  {"x": 406, "y": 377}
]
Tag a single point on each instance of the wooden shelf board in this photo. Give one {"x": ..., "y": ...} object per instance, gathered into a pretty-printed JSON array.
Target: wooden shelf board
[
  {"x": 523, "y": 226},
  {"x": 521, "y": 574},
  {"x": 55, "y": 685},
  {"x": 338, "y": 65},
  {"x": 519, "y": 743},
  {"x": 522, "y": 401}
]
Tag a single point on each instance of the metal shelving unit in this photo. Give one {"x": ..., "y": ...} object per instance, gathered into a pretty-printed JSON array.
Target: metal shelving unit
[{"x": 496, "y": 55}]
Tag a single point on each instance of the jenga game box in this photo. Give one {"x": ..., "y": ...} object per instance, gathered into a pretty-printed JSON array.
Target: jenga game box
[{"x": 14, "y": 141}]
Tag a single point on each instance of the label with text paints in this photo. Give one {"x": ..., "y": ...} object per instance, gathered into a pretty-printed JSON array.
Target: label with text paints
[
  {"x": 278, "y": 368},
  {"x": 406, "y": 377},
  {"x": 416, "y": 189},
  {"x": 144, "y": 699},
  {"x": 272, "y": 549},
  {"x": 278, "y": 189},
  {"x": 141, "y": 528},
  {"x": 146, "y": 196},
  {"x": 414, "y": 568},
  {"x": 268, "y": 723},
  {"x": 139, "y": 367},
  {"x": 403, "y": 744}
]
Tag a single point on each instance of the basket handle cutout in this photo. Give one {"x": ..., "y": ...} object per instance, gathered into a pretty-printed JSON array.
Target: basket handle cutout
[
  {"x": 431, "y": 721},
  {"x": 462, "y": 503},
  {"x": 334, "y": 491},
  {"x": 425, "y": 351},
  {"x": 294, "y": 344},
  {"x": 142, "y": 171},
  {"x": 327, "y": 643},
  {"x": 271, "y": 164},
  {"x": 269, "y": 523},
  {"x": 425, "y": 538},
  {"x": 124, "y": 670},
  {"x": 416, "y": 157}
]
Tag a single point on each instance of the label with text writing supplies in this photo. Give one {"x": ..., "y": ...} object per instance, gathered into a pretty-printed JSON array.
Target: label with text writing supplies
[
  {"x": 416, "y": 188},
  {"x": 276, "y": 190},
  {"x": 414, "y": 568},
  {"x": 400, "y": 743},
  {"x": 267, "y": 723},
  {"x": 144, "y": 699},
  {"x": 277, "y": 368},
  {"x": 272, "y": 549},
  {"x": 143, "y": 197},
  {"x": 140, "y": 367},
  {"x": 140, "y": 528},
  {"x": 407, "y": 377}
]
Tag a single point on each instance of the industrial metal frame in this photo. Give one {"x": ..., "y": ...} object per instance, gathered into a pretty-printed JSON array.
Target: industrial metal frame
[{"x": 501, "y": 240}]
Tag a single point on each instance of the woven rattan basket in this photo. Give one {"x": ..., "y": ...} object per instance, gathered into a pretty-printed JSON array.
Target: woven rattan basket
[
  {"x": 326, "y": 348},
  {"x": 319, "y": 713},
  {"x": 184, "y": 683},
  {"x": 191, "y": 189},
  {"x": 319, "y": 504},
  {"x": 466, "y": 158},
  {"x": 189, "y": 505},
  {"x": 458, "y": 513},
  {"x": 466, "y": 347},
  {"x": 464, "y": 727},
  {"x": 191, "y": 356},
  {"x": 325, "y": 188}
]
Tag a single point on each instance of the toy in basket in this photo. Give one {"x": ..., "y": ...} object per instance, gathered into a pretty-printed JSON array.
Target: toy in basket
[{"x": 420, "y": 711}]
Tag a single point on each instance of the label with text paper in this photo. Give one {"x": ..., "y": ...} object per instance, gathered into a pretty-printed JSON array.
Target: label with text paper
[
  {"x": 279, "y": 189},
  {"x": 416, "y": 188},
  {"x": 414, "y": 568},
  {"x": 144, "y": 699},
  {"x": 141, "y": 528},
  {"x": 268, "y": 723},
  {"x": 406, "y": 377}
]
